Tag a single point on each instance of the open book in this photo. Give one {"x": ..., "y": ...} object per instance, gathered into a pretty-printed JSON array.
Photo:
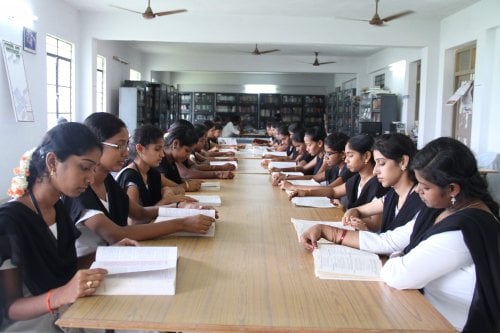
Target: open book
[
  {"x": 275, "y": 153},
  {"x": 316, "y": 202},
  {"x": 303, "y": 182},
  {"x": 207, "y": 200},
  {"x": 302, "y": 225},
  {"x": 210, "y": 186},
  {"x": 281, "y": 165},
  {"x": 227, "y": 141},
  {"x": 167, "y": 213},
  {"x": 141, "y": 270},
  {"x": 345, "y": 263},
  {"x": 224, "y": 162}
]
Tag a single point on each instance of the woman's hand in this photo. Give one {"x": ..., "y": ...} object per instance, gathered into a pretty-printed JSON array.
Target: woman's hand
[
  {"x": 277, "y": 178},
  {"x": 352, "y": 212},
  {"x": 296, "y": 193},
  {"x": 194, "y": 205},
  {"x": 198, "y": 223},
  {"x": 84, "y": 283},
  {"x": 224, "y": 174},
  {"x": 285, "y": 185},
  {"x": 193, "y": 185},
  {"x": 356, "y": 223},
  {"x": 310, "y": 237},
  {"x": 228, "y": 167},
  {"x": 127, "y": 242}
]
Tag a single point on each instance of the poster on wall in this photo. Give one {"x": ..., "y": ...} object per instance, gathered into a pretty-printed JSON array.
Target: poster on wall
[{"x": 16, "y": 76}]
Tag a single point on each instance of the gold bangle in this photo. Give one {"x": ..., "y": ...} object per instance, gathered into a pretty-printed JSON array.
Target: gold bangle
[{"x": 187, "y": 186}]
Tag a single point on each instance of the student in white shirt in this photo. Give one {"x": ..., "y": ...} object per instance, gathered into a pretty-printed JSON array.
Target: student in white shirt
[
  {"x": 232, "y": 127},
  {"x": 451, "y": 250}
]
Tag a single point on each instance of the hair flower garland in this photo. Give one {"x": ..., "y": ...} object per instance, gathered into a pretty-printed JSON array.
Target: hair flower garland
[{"x": 19, "y": 183}]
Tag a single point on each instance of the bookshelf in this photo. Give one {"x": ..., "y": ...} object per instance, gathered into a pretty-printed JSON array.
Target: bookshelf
[{"x": 203, "y": 106}]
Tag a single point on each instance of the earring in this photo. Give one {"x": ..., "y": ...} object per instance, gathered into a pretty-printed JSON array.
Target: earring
[
  {"x": 52, "y": 173},
  {"x": 453, "y": 200},
  {"x": 403, "y": 168}
]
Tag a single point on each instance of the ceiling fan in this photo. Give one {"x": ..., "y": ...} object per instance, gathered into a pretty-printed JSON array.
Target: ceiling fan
[
  {"x": 149, "y": 14},
  {"x": 256, "y": 51},
  {"x": 376, "y": 20},
  {"x": 317, "y": 63}
]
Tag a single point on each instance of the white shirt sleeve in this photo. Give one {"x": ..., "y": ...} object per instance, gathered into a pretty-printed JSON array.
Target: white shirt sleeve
[
  {"x": 388, "y": 242},
  {"x": 434, "y": 257}
]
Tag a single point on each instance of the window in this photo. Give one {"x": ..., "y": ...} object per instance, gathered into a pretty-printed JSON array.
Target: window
[
  {"x": 380, "y": 81},
  {"x": 135, "y": 75},
  {"x": 59, "y": 80},
  {"x": 100, "y": 86}
]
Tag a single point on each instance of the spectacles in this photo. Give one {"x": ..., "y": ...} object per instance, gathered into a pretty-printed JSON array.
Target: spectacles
[
  {"x": 330, "y": 153},
  {"x": 121, "y": 147}
]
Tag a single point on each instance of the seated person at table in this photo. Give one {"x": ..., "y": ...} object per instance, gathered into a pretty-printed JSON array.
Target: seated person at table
[
  {"x": 361, "y": 188},
  {"x": 191, "y": 169},
  {"x": 336, "y": 172},
  {"x": 314, "y": 138},
  {"x": 393, "y": 154},
  {"x": 451, "y": 250},
  {"x": 39, "y": 272},
  {"x": 210, "y": 149},
  {"x": 144, "y": 184},
  {"x": 232, "y": 127},
  {"x": 200, "y": 156},
  {"x": 285, "y": 141},
  {"x": 179, "y": 142},
  {"x": 101, "y": 212}
]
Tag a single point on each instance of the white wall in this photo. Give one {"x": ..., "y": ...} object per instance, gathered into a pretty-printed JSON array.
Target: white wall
[
  {"x": 479, "y": 23},
  {"x": 19, "y": 137}
]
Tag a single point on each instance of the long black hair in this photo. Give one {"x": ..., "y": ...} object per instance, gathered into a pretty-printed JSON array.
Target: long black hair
[
  {"x": 394, "y": 146},
  {"x": 143, "y": 135},
  {"x": 362, "y": 143},
  {"x": 104, "y": 125},
  {"x": 64, "y": 140},
  {"x": 185, "y": 135},
  {"x": 444, "y": 161}
]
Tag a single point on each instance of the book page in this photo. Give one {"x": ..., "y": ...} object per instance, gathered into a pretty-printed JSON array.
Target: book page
[
  {"x": 336, "y": 261},
  {"x": 161, "y": 282},
  {"x": 316, "y": 202},
  {"x": 303, "y": 182},
  {"x": 207, "y": 200},
  {"x": 224, "y": 162},
  {"x": 289, "y": 173},
  {"x": 275, "y": 153},
  {"x": 210, "y": 186},
  {"x": 281, "y": 165},
  {"x": 302, "y": 225},
  {"x": 122, "y": 259},
  {"x": 182, "y": 212}
]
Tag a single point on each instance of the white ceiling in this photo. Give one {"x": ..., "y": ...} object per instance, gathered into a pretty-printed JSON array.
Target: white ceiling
[{"x": 260, "y": 11}]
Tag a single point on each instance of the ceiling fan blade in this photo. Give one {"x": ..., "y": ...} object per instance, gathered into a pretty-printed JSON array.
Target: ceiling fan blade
[
  {"x": 130, "y": 10},
  {"x": 170, "y": 12},
  {"x": 269, "y": 51},
  {"x": 327, "y": 62},
  {"x": 350, "y": 19},
  {"x": 398, "y": 15}
]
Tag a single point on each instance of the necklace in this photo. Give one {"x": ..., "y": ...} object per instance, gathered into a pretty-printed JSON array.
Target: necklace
[
  {"x": 399, "y": 205},
  {"x": 452, "y": 210}
]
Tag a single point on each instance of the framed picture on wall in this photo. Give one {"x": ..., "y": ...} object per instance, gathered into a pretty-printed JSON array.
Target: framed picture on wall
[
  {"x": 29, "y": 40},
  {"x": 18, "y": 84}
]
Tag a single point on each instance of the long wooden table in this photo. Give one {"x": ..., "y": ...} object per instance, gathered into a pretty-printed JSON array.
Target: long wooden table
[{"x": 254, "y": 276}]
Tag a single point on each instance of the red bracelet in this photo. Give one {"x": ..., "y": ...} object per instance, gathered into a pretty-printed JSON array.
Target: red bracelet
[
  {"x": 47, "y": 300},
  {"x": 343, "y": 236}
]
